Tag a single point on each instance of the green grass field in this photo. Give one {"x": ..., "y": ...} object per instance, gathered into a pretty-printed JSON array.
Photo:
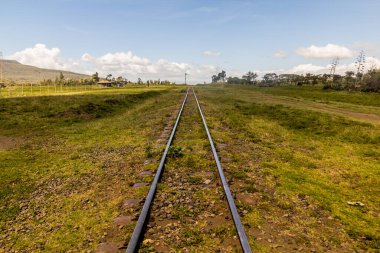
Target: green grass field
[
  {"x": 300, "y": 166},
  {"x": 318, "y": 94},
  {"x": 294, "y": 157},
  {"x": 67, "y": 163},
  {"x": 27, "y": 90}
]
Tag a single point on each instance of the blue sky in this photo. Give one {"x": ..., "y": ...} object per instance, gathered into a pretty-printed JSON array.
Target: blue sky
[{"x": 162, "y": 39}]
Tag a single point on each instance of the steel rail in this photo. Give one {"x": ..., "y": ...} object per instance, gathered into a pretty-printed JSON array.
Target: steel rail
[
  {"x": 137, "y": 232},
  {"x": 235, "y": 215}
]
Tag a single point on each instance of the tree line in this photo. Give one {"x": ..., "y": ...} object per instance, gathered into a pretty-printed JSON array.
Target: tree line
[
  {"x": 357, "y": 80},
  {"x": 113, "y": 81},
  {"x": 369, "y": 82}
]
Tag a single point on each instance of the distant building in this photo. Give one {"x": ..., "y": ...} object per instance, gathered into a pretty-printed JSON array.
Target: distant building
[{"x": 105, "y": 83}]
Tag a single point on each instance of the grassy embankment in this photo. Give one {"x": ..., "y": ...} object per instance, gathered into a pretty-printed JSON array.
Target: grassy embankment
[
  {"x": 68, "y": 162},
  {"x": 316, "y": 93},
  {"x": 295, "y": 165},
  {"x": 32, "y": 89}
]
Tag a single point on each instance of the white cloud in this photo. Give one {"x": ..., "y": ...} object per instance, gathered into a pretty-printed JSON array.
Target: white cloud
[
  {"x": 307, "y": 68},
  {"x": 121, "y": 59},
  {"x": 328, "y": 51},
  {"x": 368, "y": 47},
  {"x": 39, "y": 56},
  {"x": 372, "y": 62},
  {"x": 131, "y": 66},
  {"x": 128, "y": 64},
  {"x": 43, "y": 57},
  {"x": 87, "y": 57},
  {"x": 319, "y": 69},
  {"x": 280, "y": 54},
  {"x": 124, "y": 64},
  {"x": 211, "y": 53}
]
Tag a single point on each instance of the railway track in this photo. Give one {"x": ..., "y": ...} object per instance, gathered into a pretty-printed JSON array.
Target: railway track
[{"x": 183, "y": 198}]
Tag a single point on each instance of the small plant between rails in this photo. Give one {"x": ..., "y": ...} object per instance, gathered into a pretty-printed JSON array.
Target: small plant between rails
[{"x": 140, "y": 228}]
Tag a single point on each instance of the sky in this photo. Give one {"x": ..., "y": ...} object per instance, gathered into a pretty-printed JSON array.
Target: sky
[{"x": 164, "y": 39}]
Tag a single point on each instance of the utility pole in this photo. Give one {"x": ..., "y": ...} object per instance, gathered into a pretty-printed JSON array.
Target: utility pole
[
  {"x": 1, "y": 71},
  {"x": 186, "y": 77}
]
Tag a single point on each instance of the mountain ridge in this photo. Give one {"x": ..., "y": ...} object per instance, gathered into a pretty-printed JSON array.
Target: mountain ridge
[{"x": 15, "y": 71}]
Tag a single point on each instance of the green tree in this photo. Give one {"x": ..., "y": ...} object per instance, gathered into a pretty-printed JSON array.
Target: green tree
[
  {"x": 221, "y": 77},
  {"x": 236, "y": 80},
  {"x": 95, "y": 77},
  {"x": 250, "y": 77},
  {"x": 270, "y": 78}
]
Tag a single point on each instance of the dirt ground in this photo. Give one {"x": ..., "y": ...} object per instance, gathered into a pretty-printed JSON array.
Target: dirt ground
[
  {"x": 335, "y": 108},
  {"x": 9, "y": 142}
]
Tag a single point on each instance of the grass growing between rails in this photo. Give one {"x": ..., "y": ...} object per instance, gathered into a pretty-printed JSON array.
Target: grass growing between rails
[
  {"x": 68, "y": 163},
  {"x": 190, "y": 212},
  {"x": 295, "y": 170}
]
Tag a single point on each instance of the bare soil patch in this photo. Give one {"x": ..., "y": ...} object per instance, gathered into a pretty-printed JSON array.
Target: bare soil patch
[
  {"x": 318, "y": 106},
  {"x": 10, "y": 142}
]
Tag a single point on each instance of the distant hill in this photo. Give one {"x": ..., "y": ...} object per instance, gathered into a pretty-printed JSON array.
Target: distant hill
[{"x": 17, "y": 72}]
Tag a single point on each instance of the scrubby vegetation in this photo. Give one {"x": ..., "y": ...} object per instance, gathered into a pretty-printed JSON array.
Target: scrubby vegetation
[
  {"x": 369, "y": 82},
  {"x": 358, "y": 80}
]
